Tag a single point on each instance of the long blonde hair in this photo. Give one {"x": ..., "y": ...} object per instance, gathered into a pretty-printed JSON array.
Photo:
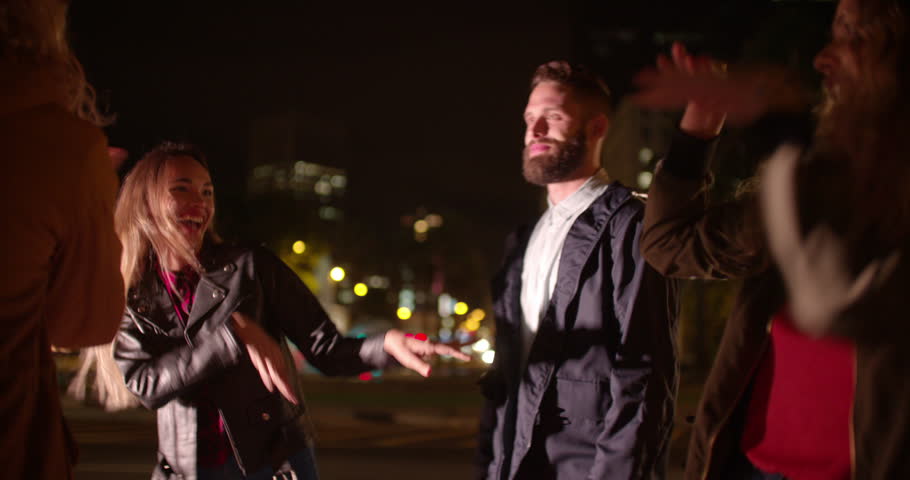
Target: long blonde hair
[
  {"x": 33, "y": 34},
  {"x": 141, "y": 218},
  {"x": 146, "y": 231}
]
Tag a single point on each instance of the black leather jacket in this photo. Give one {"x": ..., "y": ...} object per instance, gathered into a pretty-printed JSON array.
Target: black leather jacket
[{"x": 168, "y": 365}]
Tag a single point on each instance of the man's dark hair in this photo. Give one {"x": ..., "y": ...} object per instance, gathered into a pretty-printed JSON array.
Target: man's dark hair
[{"x": 584, "y": 82}]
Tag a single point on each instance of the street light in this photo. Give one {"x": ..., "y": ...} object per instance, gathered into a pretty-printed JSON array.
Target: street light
[
  {"x": 461, "y": 308},
  {"x": 337, "y": 274},
  {"x": 361, "y": 289},
  {"x": 299, "y": 247},
  {"x": 404, "y": 313}
]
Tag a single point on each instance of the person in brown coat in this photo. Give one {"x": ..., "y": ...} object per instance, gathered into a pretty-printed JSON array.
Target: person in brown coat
[
  {"x": 810, "y": 378},
  {"x": 61, "y": 282}
]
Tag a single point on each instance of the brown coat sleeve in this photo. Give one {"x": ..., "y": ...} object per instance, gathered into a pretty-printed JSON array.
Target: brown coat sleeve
[{"x": 686, "y": 237}]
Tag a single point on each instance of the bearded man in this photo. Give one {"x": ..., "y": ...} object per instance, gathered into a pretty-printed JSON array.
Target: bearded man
[
  {"x": 810, "y": 378},
  {"x": 585, "y": 374}
]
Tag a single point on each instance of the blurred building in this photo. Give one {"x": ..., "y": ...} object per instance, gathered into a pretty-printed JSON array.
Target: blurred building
[{"x": 296, "y": 187}]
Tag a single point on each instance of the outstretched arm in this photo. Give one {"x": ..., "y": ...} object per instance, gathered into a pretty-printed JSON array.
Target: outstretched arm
[
  {"x": 683, "y": 236},
  {"x": 306, "y": 323}
]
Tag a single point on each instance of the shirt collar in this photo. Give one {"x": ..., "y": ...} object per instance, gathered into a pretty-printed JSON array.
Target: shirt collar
[{"x": 581, "y": 199}]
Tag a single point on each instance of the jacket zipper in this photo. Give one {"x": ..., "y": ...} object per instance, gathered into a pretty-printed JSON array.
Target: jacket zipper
[
  {"x": 713, "y": 437},
  {"x": 227, "y": 430}
]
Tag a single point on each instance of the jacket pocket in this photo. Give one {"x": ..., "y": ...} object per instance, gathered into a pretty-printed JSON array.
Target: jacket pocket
[
  {"x": 265, "y": 413},
  {"x": 632, "y": 382},
  {"x": 582, "y": 403}
]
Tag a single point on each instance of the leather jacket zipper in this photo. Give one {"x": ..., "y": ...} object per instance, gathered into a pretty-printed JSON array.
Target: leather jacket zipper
[{"x": 227, "y": 430}]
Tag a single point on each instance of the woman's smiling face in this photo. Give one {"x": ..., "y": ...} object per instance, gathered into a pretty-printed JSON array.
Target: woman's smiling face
[{"x": 190, "y": 196}]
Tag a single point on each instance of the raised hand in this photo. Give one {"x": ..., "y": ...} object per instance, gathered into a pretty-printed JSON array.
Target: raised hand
[
  {"x": 266, "y": 355},
  {"x": 699, "y": 119},
  {"x": 710, "y": 93},
  {"x": 411, "y": 351},
  {"x": 815, "y": 271}
]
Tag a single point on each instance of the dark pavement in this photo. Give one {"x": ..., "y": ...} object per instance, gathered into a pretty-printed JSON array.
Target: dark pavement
[{"x": 399, "y": 428}]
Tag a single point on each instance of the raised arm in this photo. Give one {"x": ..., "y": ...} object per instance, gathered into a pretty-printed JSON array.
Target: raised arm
[{"x": 683, "y": 235}]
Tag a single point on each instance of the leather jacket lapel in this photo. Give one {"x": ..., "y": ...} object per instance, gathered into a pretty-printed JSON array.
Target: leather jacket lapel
[{"x": 209, "y": 295}]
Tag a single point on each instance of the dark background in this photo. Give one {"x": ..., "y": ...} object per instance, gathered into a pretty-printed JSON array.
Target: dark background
[
  {"x": 430, "y": 96},
  {"x": 420, "y": 104}
]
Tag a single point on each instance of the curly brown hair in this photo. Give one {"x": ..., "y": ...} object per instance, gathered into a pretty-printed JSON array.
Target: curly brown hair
[
  {"x": 866, "y": 131},
  {"x": 33, "y": 33}
]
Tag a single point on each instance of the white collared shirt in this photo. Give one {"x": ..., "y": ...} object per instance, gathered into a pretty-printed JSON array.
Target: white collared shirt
[{"x": 541, "y": 261}]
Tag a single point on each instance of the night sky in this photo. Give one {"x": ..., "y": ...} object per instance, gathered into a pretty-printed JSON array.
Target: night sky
[{"x": 429, "y": 98}]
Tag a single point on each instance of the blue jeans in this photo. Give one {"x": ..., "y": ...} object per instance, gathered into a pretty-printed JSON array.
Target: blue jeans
[{"x": 303, "y": 464}]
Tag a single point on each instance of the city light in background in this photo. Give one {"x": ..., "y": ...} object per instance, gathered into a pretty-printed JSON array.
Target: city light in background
[
  {"x": 337, "y": 274},
  {"x": 644, "y": 180},
  {"x": 363, "y": 295},
  {"x": 422, "y": 223},
  {"x": 472, "y": 322},
  {"x": 488, "y": 356},
  {"x": 481, "y": 345}
]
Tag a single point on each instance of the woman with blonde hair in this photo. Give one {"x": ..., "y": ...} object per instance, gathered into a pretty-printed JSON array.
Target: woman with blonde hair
[
  {"x": 58, "y": 251},
  {"x": 203, "y": 337}
]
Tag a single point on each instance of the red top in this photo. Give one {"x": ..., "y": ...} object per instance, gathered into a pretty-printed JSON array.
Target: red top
[
  {"x": 798, "y": 421},
  {"x": 212, "y": 445}
]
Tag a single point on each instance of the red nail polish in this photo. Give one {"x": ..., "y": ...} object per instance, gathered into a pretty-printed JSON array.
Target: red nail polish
[{"x": 421, "y": 336}]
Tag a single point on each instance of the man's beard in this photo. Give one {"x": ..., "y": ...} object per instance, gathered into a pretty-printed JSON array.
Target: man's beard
[
  {"x": 828, "y": 115},
  {"x": 557, "y": 165},
  {"x": 861, "y": 133},
  {"x": 850, "y": 112}
]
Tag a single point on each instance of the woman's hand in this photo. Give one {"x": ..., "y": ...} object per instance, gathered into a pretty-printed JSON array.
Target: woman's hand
[
  {"x": 411, "y": 352},
  {"x": 266, "y": 355}
]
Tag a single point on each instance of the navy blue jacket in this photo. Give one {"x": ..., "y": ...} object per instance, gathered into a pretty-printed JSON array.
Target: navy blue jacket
[{"x": 598, "y": 390}]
